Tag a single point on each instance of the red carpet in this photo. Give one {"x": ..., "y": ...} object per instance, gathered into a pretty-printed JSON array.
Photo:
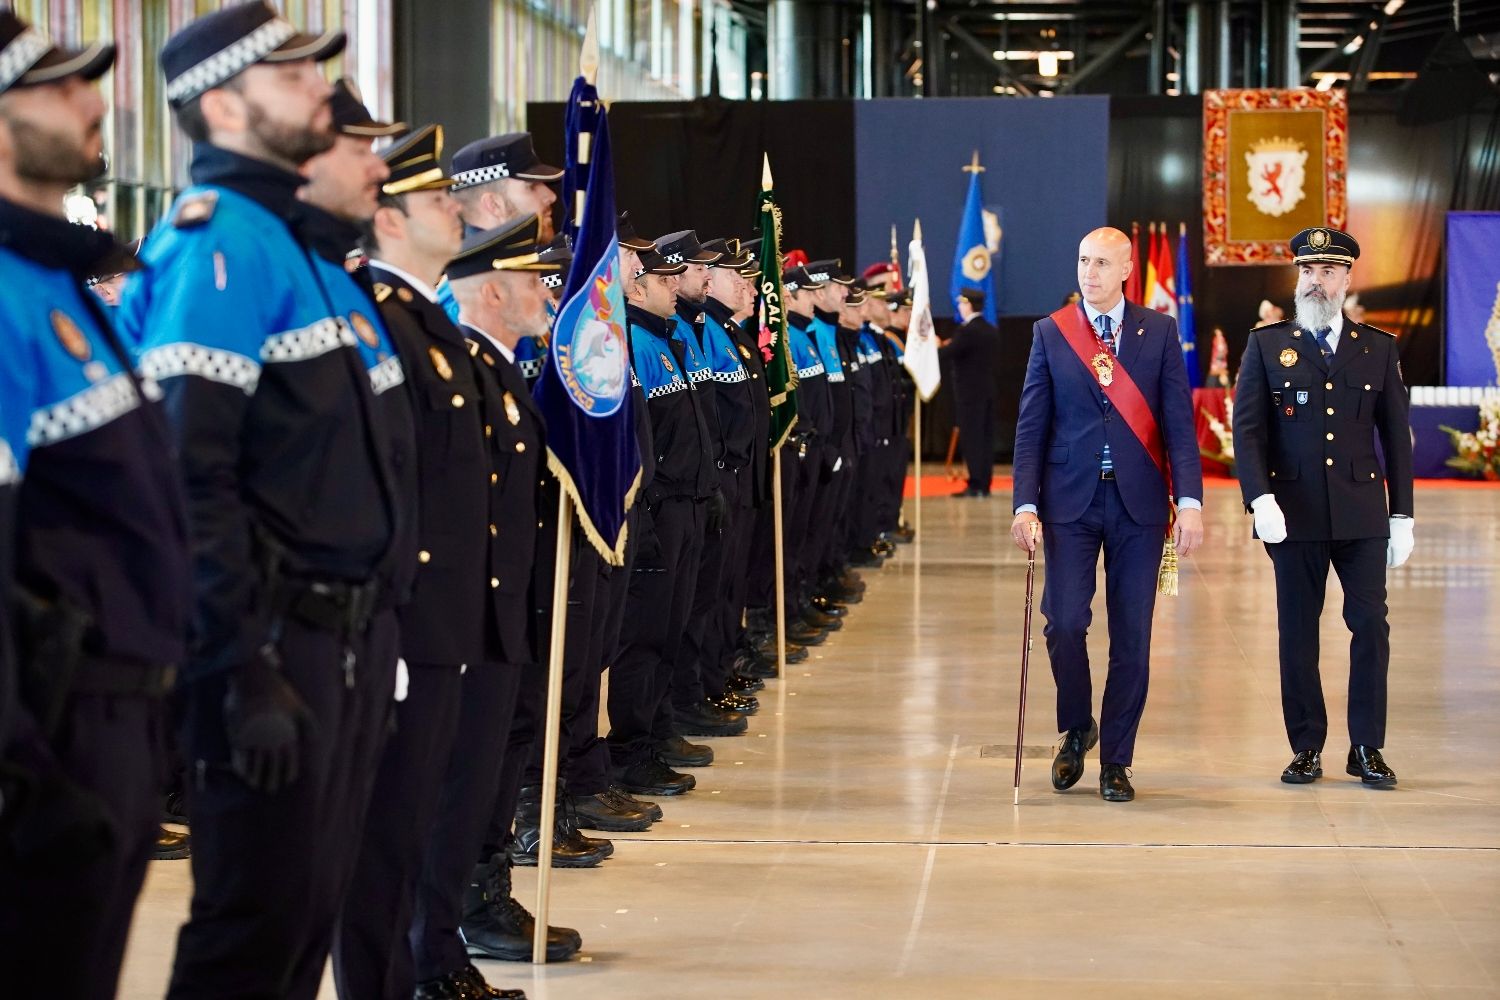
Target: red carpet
[{"x": 939, "y": 485}]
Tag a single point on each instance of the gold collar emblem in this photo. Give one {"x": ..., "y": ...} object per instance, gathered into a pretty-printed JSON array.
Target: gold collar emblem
[
  {"x": 1288, "y": 357},
  {"x": 1104, "y": 368}
]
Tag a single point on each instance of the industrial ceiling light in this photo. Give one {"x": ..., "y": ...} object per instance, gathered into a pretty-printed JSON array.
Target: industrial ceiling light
[
  {"x": 1394, "y": 5},
  {"x": 1046, "y": 64},
  {"x": 1354, "y": 46}
]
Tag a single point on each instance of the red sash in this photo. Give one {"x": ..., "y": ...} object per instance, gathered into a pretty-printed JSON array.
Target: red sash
[{"x": 1116, "y": 382}]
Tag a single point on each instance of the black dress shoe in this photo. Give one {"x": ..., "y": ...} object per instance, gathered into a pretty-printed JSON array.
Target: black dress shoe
[
  {"x": 652, "y": 777},
  {"x": 828, "y": 606},
  {"x": 704, "y": 719},
  {"x": 172, "y": 846},
  {"x": 1114, "y": 783},
  {"x": 803, "y": 635},
  {"x": 759, "y": 666},
  {"x": 618, "y": 794},
  {"x": 471, "y": 979},
  {"x": 1067, "y": 766},
  {"x": 678, "y": 752},
  {"x": 813, "y": 618},
  {"x": 743, "y": 683},
  {"x": 496, "y": 925},
  {"x": 884, "y": 548},
  {"x": 731, "y": 701},
  {"x": 1305, "y": 768},
  {"x": 597, "y": 812},
  {"x": 904, "y": 533},
  {"x": 1366, "y": 764},
  {"x": 441, "y": 988}
]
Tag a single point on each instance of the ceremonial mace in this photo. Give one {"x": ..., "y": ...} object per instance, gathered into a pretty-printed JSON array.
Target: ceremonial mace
[{"x": 1025, "y": 656}]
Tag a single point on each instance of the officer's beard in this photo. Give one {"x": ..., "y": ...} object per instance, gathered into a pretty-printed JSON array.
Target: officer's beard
[
  {"x": 288, "y": 143},
  {"x": 47, "y": 157},
  {"x": 1316, "y": 310}
]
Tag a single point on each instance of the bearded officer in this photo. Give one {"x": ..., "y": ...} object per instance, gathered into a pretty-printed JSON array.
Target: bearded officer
[{"x": 1313, "y": 394}]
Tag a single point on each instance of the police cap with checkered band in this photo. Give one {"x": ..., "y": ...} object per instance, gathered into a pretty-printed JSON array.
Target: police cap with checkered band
[{"x": 218, "y": 47}]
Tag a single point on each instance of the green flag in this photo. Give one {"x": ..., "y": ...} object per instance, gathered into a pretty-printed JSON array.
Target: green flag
[{"x": 781, "y": 374}]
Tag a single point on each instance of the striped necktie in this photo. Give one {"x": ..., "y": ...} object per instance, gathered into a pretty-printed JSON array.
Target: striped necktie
[{"x": 1106, "y": 464}]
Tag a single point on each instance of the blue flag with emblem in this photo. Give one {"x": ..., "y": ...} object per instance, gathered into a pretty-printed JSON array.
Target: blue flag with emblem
[
  {"x": 584, "y": 388},
  {"x": 971, "y": 257},
  {"x": 1186, "y": 327}
]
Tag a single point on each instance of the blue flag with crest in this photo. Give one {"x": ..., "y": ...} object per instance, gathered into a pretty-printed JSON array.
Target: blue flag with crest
[
  {"x": 971, "y": 258},
  {"x": 584, "y": 388}
]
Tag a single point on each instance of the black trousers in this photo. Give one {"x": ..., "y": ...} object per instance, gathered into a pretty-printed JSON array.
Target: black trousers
[
  {"x": 270, "y": 870},
  {"x": 370, "y": 957},
  {"x": 696, "y": 672},
  {"x": 662, "y": 582},
  {"x": 734, "y": 586},
  {"x": 588, "y": 757},
  {"x": 976, "y": 438},
  {"x": 466, "y": 807},
  {"x": 1301, "y": 582},
  {"x": 63, "y": 928},
  {"x": 834, "y": 523},
  {"x": 894, "y": 459}
]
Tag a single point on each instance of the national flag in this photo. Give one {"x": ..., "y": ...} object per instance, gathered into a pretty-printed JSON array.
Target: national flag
[
  {"x": 1186, "y": 327},
  {"x": 1135, "y": 282},
  {"x": 921, "y": 337},
  {"x": 1148, "y": 285},
  {"x": 971, "y": 257},
  {"x": 584, "y": 388},
  {"x": 1164, "y": 297},
  {"x": 781, "y": 374}
]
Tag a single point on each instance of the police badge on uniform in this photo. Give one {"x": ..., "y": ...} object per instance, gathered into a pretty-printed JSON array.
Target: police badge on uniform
[
  {"x": 364, "y": 329},
  {"x": 1288, "y": 357},
  {"x": 1301, "y": 397},
  {"x": 68, "y": 334},
  {"x": 440, "y": 364},
  {"x": 745, "y": 352},
  {"x": 668, "y": 362},
  {"x": 512, "y": 411}
]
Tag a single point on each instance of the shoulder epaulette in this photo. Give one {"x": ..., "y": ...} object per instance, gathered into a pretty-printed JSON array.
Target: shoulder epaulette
[
  {"x": 1269, "y": 326},
  {"x": 1377, "y": 329},
  {"x": 195, "y": 209},
  {"x": 382, "y": 291}
]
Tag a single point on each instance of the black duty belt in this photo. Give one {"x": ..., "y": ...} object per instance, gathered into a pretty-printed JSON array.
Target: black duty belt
[
  {"x": 331, "y": 605},
  {"x": 103, "y": 675}
]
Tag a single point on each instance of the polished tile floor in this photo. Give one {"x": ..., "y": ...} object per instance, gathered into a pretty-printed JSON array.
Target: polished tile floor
[{"x": 861, "y": 841}]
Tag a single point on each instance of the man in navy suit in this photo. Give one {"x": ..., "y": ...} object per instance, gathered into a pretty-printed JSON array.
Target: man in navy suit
[{"x": 1104, "y": 440}]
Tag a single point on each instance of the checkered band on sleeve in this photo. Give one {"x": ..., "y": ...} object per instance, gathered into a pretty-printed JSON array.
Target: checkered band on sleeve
[
  {"x": 835, "y": 376},
  {"x": 309, "y": 342},
  {"x": 84, "y": 411},
  {"x": 731, "y": 378},
  {"x": 10, "y": 470},
  {"x": 530, "y": 368},
  {"x": 230, "y": 61},
  {"x": 701, "y": 375},
  {"x": 21, "y": 54},
  {"x": 479, "y": 175},
  {"x": 387, "y": 375},
  {"x": 676, "y": 385},
  {"x": 810, "y": 371},
  {"x": 224, "y": 367}
]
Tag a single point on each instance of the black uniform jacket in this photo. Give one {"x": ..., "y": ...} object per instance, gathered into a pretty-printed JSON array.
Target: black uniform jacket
[
  {"x": 972, "y": 355},
  {"x": 747, "y": 340},
  {"x": 858, "y": 376},
  {"x": 682, "y": 445},
  {"x": 1306, "y": 432}
]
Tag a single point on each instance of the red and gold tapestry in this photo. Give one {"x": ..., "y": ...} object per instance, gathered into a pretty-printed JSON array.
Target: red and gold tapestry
[{"x": 1275, "y": 162}]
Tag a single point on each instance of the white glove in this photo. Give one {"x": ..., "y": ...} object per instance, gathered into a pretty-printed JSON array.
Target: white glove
[
  {"x": 1398, "y": 549},
  {"x": 403, "y": 678},
  {"x": 1270, "y": 522}
]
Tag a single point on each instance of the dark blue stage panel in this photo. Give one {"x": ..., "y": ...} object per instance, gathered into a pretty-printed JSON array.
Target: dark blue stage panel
[{"x": 1046, "y": 163}]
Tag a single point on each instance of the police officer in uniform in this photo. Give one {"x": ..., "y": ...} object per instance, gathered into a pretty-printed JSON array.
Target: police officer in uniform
[
  {"x": 670, "y": 533},
  {"x": 270, "y": 381},
  {"x": 1314, "y": 393},
  {"x": 102, "y": 585},
  {"x": 971, "y": 355}
]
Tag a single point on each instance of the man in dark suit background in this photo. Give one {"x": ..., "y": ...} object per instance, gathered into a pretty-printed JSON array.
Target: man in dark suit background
[
  {"x": 971, "y": 356},
  {"x": 1313, "y": 393},
  {"x": 1083, "y": 470}
]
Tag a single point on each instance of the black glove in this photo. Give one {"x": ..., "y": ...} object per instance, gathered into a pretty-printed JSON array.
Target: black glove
[
  {"x": 263, "y": 718},
  {"x": 718, "y": 511}
]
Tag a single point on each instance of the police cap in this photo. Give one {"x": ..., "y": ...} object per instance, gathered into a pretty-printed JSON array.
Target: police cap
[
  {"x": 511, "y": 246},
  {"x": 27, "y": 56},
  {"x": 218, "y": 47},
  {"x": 683, "y": 248},
  {"x": 416, "y": 162},
  {"x": 351, "y": 117},
  {"x": 625, "y": 232},
  {"x": 1324, "y": 246},
  {"x": 498, "y": 157}
]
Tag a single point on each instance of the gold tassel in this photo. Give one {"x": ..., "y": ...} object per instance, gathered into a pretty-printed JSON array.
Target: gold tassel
[{"x": 1166, "y": 576}]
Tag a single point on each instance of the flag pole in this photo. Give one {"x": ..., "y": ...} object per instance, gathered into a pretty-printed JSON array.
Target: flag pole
[
  {"x": 917, "y": 425},
  {"x": 562, "y": 563},
  {"x": 778, "y": 513}
]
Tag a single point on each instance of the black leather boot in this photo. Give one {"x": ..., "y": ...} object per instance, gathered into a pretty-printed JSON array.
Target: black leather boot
[
  {"x": 495, "y": 925},
  {"x": 570, "y": 849}
]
